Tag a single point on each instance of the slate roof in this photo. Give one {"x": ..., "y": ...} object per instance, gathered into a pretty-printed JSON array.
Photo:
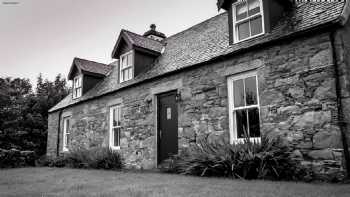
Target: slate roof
[
  {"x": 210, "y": 40},
  {"x": 90, "y": 67},
  {"x": 144, "y": 42}
]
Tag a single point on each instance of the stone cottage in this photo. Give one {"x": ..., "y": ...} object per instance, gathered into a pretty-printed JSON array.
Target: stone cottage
[{"x": 265, "y": 67}]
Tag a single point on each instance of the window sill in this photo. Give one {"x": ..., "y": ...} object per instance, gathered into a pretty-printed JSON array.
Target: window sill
[
  {"x": 252, "y": 140},
  {"x": 125, "y": 80},
  {"x": 238, "y": 41},
  {"x": 115, "y": 148}
]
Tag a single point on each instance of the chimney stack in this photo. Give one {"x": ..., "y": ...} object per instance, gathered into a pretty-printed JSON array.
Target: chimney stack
[{"x": 154, "y": 34}]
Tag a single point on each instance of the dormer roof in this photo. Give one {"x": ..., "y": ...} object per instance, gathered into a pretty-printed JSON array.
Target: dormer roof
[
  {"x": 136, "y": 41},
  {"x": 88, "y": 67},
  {"x": 225, "y": 4}
]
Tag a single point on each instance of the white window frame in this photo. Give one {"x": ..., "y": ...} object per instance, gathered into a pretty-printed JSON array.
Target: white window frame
[
  {"x": 232, "y": 108},
  {"x": 130, "y": 66},
  {"x": 249, "y": 18},
  {"x": 111, "y": 127},
  {"x": 77, "y": 86},
  {"x": 66, "y": 131}
]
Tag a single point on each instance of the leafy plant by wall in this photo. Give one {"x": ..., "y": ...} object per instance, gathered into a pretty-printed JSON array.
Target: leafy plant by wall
[
  {"x": 97, "y": 158},
  {"x": 269, "y": 159}
]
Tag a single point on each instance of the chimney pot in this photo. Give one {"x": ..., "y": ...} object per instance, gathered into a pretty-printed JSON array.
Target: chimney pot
[{"x": 153, "y": 27}]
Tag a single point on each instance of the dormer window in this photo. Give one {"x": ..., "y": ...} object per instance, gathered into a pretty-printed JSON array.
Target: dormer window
[
  {"x": 248, "y": 19},
  {"x": 126, "y": 66},
  {"x": 77, "y": 86}
]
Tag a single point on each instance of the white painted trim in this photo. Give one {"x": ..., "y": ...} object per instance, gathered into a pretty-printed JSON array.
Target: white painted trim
[
  {"x": 132, "y": 65},
  {"x": 235, "y": 22},
  {"x": 232, "y": 119},
  {"x": 110, "y": 132}
]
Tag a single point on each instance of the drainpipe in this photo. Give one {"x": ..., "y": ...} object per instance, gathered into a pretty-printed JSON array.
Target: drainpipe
[
  {"x": 58, "y": 133},
  {"x": 342, "y": 124}
]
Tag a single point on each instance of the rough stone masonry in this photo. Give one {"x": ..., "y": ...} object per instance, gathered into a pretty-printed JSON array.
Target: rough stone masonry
[{"x": 297, "y": 87}]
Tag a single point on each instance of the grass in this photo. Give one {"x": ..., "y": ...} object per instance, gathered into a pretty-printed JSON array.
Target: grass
[{"x": 52, "y": 182}]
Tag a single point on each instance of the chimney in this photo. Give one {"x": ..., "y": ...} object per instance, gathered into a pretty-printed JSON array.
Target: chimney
[{"x": 154, "y": 34}]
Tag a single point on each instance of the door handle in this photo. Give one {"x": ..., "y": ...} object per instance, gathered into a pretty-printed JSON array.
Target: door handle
[{"x": 160, "y": 134}]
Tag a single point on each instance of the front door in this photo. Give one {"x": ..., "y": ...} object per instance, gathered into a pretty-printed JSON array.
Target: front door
[{"x": 167, "y": 126}]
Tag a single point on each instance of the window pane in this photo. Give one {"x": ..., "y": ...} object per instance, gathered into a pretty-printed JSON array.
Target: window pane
[
  {"x": 254, "y": 126},
  {"x": 241, "y": 11},
  {"x": 243, "y": 30},
  {"x": 254, "y": 7},
  {"x": 123, "y": 61},
  {"x": 250, "y": 90},
  {"x": 79, "y": 92},
  {"x": 241, "y": 123},
  {"x": 116, "y": 134},
  {"x": 130, "y": 73},
  {"x": 129, "y": 59},
  {"x": 238, "y": 93},
  {"x": 67, "y": 139},
  {"x": 119, "y": 116},
  {"x": 115, "y": 117},
  {"x": 123, "y": 73},
  {"x": 256, "y": 26},
  {"x": 66, "y": 123}
]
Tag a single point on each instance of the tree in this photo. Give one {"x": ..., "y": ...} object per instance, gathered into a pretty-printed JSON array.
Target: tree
[{"x": 23, "y": 113}]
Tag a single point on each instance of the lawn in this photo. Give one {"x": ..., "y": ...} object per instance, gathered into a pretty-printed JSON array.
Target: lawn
[{"x": 40, "y": 182}]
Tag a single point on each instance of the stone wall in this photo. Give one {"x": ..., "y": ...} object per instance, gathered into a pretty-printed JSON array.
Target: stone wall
[
  {"x": 53, "y": 119},
  {"x": 14, "y": 158},
  {"x": 298, "y": 102}
]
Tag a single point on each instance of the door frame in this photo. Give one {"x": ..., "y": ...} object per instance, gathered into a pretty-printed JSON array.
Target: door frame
[{"x": 156, "y": 120}]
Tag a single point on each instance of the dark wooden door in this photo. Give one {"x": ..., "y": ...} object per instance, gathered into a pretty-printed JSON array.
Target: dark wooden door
[{"x": 167, "y": 126}]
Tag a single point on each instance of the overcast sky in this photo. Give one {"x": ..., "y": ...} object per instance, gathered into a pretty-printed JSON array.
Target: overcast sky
[{"x": 45, "y": 35}]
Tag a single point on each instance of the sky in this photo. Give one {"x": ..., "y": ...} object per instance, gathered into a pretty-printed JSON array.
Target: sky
[{"x": 43, "y": 36}]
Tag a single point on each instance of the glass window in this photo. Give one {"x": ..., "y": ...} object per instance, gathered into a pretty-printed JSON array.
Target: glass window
[
  {"x": 77, "y": 86},
  {"x": 115, "y": 127},
  {"x": 248, "y": 19},
  {"x": 66, "y": 133},
  {"x": 244, "y": 107},
  {"x": 126, "y": 66},
  {"x": 238, "y": 93}
]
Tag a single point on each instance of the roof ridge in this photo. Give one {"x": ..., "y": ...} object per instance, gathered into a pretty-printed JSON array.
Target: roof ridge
[
  {"x": 128, "y": 31},
  {"x": 78, "y": 58},
  {"x": 193, "y": 26}
]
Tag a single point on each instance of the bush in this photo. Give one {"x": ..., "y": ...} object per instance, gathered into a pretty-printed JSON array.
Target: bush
[
  {"x": 266, "y": 160},
  {"x": 97, "y": 158}
]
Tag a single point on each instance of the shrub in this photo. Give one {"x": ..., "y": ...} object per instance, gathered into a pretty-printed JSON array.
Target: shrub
[
  {"x": 266, "y": 160},
  {"x": 97, "y": 158}
]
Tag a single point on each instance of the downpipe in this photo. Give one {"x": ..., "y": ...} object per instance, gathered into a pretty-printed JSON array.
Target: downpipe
[{"x": 341, "y": 122}]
